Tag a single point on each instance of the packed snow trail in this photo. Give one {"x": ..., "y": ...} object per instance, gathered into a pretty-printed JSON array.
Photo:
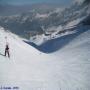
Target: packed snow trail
[{"x": 29, "y": 69}]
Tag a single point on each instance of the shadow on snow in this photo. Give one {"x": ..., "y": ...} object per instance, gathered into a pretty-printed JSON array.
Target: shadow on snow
[{"x": 2, "y": 54}]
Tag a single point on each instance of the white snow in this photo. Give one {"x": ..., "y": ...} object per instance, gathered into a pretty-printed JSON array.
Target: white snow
[
  {"x": 30, "y": 69},
  {"x": 42, "y": 15},
  {"x": 38, "y": 39},
  {"x": 73, "y": 23}
]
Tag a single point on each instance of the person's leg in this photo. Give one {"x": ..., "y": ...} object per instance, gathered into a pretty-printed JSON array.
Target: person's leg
[{"x": 8, "y": 54}]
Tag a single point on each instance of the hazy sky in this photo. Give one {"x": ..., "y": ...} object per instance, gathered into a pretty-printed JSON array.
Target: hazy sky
[{"x": 20, "y": 2}]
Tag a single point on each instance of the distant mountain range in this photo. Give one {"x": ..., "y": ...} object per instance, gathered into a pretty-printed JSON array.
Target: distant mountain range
[
  {"x": 41, "y": 18},
  {"x": 22, "y": 19},
  {"x": 18, "y": 9}
]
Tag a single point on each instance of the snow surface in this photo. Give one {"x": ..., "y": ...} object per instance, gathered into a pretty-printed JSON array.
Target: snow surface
[
  {"x": 41, "y": 15},
  {"x": 74, "y": 23},
  {"x": 29, "y": 69}
]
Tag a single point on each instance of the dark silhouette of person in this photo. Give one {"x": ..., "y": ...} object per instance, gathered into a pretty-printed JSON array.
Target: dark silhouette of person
[{"x": 7, "y": 50}]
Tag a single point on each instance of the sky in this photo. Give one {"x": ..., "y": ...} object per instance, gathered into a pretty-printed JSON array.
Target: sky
[{"x": 22, "y": 2}]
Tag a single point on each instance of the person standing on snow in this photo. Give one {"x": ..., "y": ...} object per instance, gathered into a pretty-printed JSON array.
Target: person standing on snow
[{"x": 7, "y": 50}]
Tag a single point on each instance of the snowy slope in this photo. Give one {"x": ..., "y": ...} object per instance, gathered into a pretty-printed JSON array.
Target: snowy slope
[{"x": 30, "y": 69}]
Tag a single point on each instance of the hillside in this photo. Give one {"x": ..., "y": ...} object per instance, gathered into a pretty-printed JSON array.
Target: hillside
[
  {"x": 48, "y": 50},
  {"x": 30, "y": 69}
]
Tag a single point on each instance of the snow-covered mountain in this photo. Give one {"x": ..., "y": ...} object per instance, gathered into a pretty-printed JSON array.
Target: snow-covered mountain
[
  {"x": 57, "y": 58},
  {"x": 78, "y": 18},
  {"x": 28, "y": 68},
  {"x": 50, "y": 21}
]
